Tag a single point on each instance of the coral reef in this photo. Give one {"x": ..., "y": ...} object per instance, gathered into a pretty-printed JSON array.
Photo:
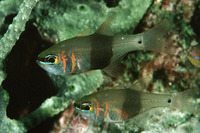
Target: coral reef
[
  {"x": 61, "y": 21},
  {"x": 7, "y": 42},
  {"x": 56, "y": 21}
]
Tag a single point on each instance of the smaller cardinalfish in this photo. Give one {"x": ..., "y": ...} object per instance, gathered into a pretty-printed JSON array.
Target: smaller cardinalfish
[
  {"x": 100, "y": 50},
  {"x": 194, "y": 55},
  {"x": 122, "y": 104}
]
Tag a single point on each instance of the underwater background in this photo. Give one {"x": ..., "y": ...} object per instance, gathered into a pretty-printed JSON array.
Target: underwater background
[{"x": 35, "y": 101}]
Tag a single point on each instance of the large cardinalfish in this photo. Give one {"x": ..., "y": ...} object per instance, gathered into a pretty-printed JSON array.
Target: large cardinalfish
[
  {"x": 194, "y": 55},
  {"x": 100, "y": 50},
  {"x": 122, "y": 104}
]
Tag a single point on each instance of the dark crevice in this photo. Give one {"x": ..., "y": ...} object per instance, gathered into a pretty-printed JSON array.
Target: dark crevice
[
  {"x": 8, "y": 20},
  {"x": 111, "y": 3},
  {"x": 195, "y": 21},
  {"x": 45, "y": 126},
  {"x": 27, "y": 84},
  {"x": 161, "y": 75}
]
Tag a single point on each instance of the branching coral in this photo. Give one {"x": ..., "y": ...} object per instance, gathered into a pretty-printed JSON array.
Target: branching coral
[
  {"x": 14, "y": 30},
  {"x": 6, "y": 43},
  {"x": 8, "y": 7}
]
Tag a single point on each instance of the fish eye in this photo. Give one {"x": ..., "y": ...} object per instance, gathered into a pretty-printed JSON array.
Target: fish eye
[
  {"x": 52, "y": 59},
  {"x": 86, "y": 107}
]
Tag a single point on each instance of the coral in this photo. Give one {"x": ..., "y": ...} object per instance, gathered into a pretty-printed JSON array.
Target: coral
[
  {"x": 7, "y": 125},
  {"x": 8, "y": 7},
  {"x": 59, "y": 20},
  {"x": 7, "y": 42},
  {"x": 14, "y": 31}
]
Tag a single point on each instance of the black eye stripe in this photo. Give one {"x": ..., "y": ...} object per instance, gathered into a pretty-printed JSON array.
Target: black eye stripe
[{"x": 49, "y": 58}]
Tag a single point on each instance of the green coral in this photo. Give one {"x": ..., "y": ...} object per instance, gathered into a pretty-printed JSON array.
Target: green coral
[
  {"x": 8, "y": 7},
  {"x": 66, "y": 19},
  {"x": 6, "y": 43},
  {"x": 14, "y": 30},
  {"x": 7, "y": 125}
]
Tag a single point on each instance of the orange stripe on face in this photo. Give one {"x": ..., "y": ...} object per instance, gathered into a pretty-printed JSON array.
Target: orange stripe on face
[
  {"x": 106, "y": 110},
  {"x": 97, "y": 111},
  {"x": 64, "y": 62},
  {"x": 73, "y": 62}
]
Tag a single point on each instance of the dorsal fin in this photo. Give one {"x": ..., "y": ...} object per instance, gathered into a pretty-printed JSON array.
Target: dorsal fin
[
  {"x": 84, "y": 33},
  {"x": 105, "y": 28},
  {"x": 141, "y": 84}
]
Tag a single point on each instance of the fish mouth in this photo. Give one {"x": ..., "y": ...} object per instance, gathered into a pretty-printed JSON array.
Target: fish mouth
[
  {"x": 77, "y": 106},
  {"x": 41, "y": 60},
  {"x": 41, "y": 63}
]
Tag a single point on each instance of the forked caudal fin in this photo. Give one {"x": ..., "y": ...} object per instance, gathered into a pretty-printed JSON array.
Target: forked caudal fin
[
  {"x": 186, "y": 101},
  {"x": 156, "y": 39}
]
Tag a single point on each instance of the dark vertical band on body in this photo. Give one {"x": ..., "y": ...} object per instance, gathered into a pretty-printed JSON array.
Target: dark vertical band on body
[
  {"x": 132, "y": 103},
  {"x": 101, "y": 51}
]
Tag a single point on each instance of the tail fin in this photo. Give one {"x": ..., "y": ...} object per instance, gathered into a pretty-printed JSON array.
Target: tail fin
[
  {"x": 156, "y": 39},
  {"x": 186, "y": 101}
]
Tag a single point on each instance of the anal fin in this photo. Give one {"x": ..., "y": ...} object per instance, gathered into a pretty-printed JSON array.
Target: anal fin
[
  {"x": 141, "y": 84},
  {"x": 115, "y": 69}
]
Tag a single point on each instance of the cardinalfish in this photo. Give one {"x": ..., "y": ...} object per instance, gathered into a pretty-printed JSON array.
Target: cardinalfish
[
  {"x": 122, "y": 104},
  {"x": 194, "y": 55},
  {"x": 100, "y": 50}
]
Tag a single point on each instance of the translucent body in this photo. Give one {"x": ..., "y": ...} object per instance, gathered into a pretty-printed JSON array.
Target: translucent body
[
  {"x": 123, "y": 104},
  {"x": 99, "y": 50}
]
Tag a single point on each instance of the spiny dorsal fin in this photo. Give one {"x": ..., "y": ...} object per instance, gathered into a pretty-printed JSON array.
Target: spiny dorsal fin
[
  {"x": 105, "y": 28},
  {"x": 141, "y": 84},
  {"x": 84, "y": 33}
]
